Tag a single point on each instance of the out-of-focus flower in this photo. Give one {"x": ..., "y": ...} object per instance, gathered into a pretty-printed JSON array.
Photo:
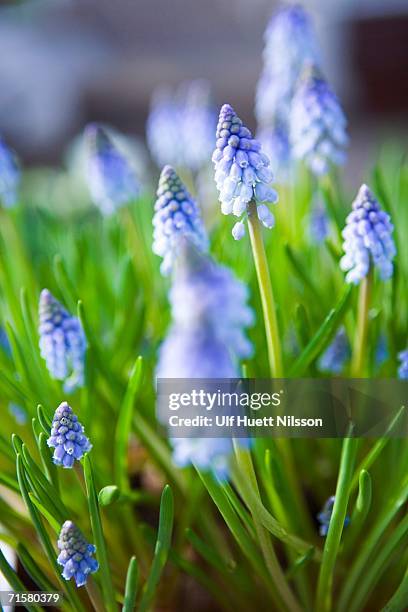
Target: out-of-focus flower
[
  {"x": 403, "y": 368},
  {"x": 62, "y": 342},
  {"x": 67, "y": 437},
  {"x": 336, "y": 355},
  {"x": 176, "y": 217},
  {"x": 76, "y": 554},
  {"x": 180, "y": 126},
  {"x": 18, "y": 413},
  {"x": 381, "y": 351},
  {"x": 317, "y": 123},
  {"x": 9, "y": 176},
  {"x": 290, "y": 41},
  {"x": 318, "y": 223},
  {"x": 368, "y": 239},
  {"x": 242, "y": 171},
  {"x": 205, "y": 340},
  {"x": 111, "y": 179},
  {"x": 275, "y": 143},
  {"x": 4, "y": 341},
  {"x": 324, "y": 517}
]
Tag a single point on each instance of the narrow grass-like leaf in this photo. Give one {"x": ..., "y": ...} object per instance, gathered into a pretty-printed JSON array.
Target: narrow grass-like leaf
[
  {"x": 14, "y": 581},
  {"x": 124, "y": 424},
  {"x": 45, "y": 513},
  {"x": 323, "y": 335},
  {"x": 96, "y": 523},
  {"x": 33, "y": 569},
  {"x": 162, "y": 548},
  {"x": 398, "y": 601},
  {"x": 132, "y": 579}
]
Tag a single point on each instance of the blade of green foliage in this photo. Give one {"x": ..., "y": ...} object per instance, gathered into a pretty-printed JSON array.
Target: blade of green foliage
[
  {"x": 132, "y": 579},
  {"x": 14, "y": 581}
]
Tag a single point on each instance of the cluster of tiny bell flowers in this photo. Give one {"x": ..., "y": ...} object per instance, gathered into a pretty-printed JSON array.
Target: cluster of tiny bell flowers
[
  {"x": 324, "y": 517},
  {"x": 242, "y": 172},
  {"x": 76, "y": 554},
  {"x": 9, "y": 176}
]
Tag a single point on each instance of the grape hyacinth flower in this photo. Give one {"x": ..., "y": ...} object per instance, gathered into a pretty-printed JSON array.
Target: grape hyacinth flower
[
  {"x": 62, "y": 342},
  {"x": 76, "y": 554},
  {"x": 275, "y": 144},
  {"x": 317, "y": 124},
  {"x": 242, "y": 172},
  {"x": 290, "y": 41},
  {"x": 67, "y": 437},
  {"x": 176, "y": 217},
  {"x": 324, "y": 517},
  {"x": 111, "y": 179},
  {"x": 336, "y": 354},
  {"x": 368, "y": 239},
  {"x": 403, "y": 368},
  {"x": 318, "y": 223},
  {"x": 163, "y": 129},
  {"x": 9, "y": 176}
]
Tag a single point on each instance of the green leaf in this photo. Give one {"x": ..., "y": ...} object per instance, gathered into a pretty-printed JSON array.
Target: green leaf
[
  {"x": 33, "y": 569},
  {"x": 398, "y": 601},
  {"x": 96, "y": 523},
  {"x": 132, "y": 579},
  {"x": 124, "y": 424},
  {"x": 162, "y": 548},
  {"x": 323, "y": 336},
  {"x": 46, "y": 514},
  {"x": 14, "y": 581}
]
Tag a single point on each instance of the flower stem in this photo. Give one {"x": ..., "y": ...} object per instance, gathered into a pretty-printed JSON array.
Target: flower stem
[
  {"x": 360, "y": 342},
  {"x": 266, "y": 291}
]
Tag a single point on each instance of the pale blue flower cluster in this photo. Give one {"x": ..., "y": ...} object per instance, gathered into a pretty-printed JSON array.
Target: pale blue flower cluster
[
  {"x": 207, "y": 337},
  {"x": 67, "y": 437},
  {"x": 403, "y": 368},
  {"x": 111, "y": 179},
  {"x": 324, "y": 517},
  {"x": 76, "y": 554},
  {"x": 336, "y": 354},
  {"x": 318, "y": 223},
  {"x": 290, "y": 41},
  {"x": 180, "y": 126},
  {"x": 62, "y": 342},
  {"x": 242, "y": 172},
  {"x": 176, "y": 217},
  {"x": 317, "y": 123},
  {"x": 368, "y": 239},
  {"x": 9, "y": 176}
]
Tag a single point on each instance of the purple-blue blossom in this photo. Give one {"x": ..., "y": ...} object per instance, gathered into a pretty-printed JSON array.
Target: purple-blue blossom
[
  {"x": 368, "y": 240},
  {"x": 318, "y": 223},
  {"x": 67, "y": 437},
  {"x": 111, "y": 179},
  {"x": 62, "y": 342},
  {"x": 181, "y": 124},
  {"x": 336, "y": 355},
  {"x": 242, "y": 172},
  {"x": 76, "y": 554},
  {"x": 403, "y": 368},
  {"x": 275, "y": 144},
  {"x": 317, "y": 124},
  {"x": 177, "y": 217},
  {"x": 9, "y": 176},
  {"x": 324, "y": 517}
]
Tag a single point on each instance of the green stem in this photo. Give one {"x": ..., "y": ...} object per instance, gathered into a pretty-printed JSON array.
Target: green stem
[
  {"x": 266, "y": 291},
  {"x": 331, "y": 548},
  {"x": 360, "y": 343}
]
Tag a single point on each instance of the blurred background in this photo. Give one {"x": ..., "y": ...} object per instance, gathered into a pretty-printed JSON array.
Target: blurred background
[{"x": 64, "y": 63}]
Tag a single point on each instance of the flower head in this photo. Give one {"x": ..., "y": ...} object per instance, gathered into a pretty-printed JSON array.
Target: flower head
[
  {"x": 275, "y": 143},
  {"x": 62, "y": 342},
  {"x": 290, "y": 41},
  {"x": 317, "y": 123},
  {"x": 9, "y": 176},
  {"x": 324, "y": 517},
  {"x": 318, "y": 223},
  {"x": 76, "y": 554},
  {"x": 368, "y": 239},
  {"x": 403, "y": 368},
  {"x": 180, "y": 126},
  {"x": 242, "y": 171},
  {"x": 111, "y": 179},
  {"x": 176, "y": 217},
  {"x": 67, "y": 437},
  {"x": 336, "y": 354}
]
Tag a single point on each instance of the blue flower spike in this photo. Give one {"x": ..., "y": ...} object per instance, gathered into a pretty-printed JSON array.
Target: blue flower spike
[
  {"x": 324, "y": 517},
  {"x": 9, "y": 176},
  {"x": 62, "y": 342},
  {"x": 67, "y": 437},
  {"x": 111, "y": 180},
  {"x": 76, "y": 554},
  {"x": 176, "y": 217},
  {"x": 317, "y": 124},
  {"x": 242, "y": 172},
  {"x": 336, "y": 354},
  {"x": 368, "y": 240},
  {"x": 403, "y": 368}
]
